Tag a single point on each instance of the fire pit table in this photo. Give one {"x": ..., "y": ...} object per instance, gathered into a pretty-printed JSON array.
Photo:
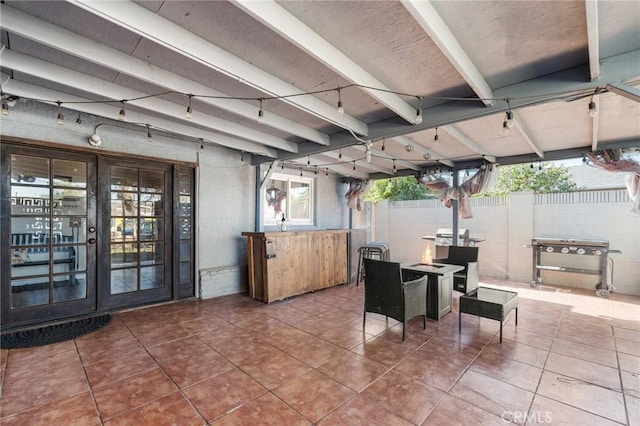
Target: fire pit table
[
  {"x": 489, "y": 303},
  {"x": 439, "y": 285}
]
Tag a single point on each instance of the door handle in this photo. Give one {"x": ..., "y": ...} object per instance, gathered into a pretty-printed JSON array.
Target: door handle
[{"x": 92, "y": 240}]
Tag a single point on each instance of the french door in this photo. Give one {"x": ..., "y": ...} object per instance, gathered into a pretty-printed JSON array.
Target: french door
[
  {"x": 136, "y": 217},
  {"x": 85, "y": 233},
  {"x": 49, "y": 235}
]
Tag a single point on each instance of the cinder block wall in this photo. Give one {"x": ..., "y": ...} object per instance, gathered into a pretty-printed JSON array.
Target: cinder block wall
[{"x": 508, "y": 225}]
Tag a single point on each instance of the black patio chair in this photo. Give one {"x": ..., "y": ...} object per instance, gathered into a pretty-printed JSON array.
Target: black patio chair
[{"x": 385, "y": 293}]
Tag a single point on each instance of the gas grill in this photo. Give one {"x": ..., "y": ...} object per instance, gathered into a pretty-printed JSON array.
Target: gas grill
[
  {"x": 444, "y": 238},
  {"x": 554, "y": 254}
]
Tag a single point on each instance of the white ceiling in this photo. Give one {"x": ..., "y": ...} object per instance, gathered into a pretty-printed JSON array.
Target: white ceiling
[{"x": 464, "y": 59}]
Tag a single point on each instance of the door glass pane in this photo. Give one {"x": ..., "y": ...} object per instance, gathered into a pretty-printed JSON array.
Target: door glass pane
[
  {"x": 124, "y": 280},
  {"x": 69, "y": 287},
  {"x": 72, "y": 174},
  {"x": 184, "y": 184},
  {"x": 185, "y": 228},
  {"x": 151, "y": 181},
  {"x": 185, "y": 205},
  {"x": 185, "y": 250},
  {"x": 69, "y": 202},
  {"x": 124, "y": 179},
  {"x": 151, "y": 205},
  {"x": 151, "y": 277},
  {"x": 151, "y": 229},
  {"x": 29, "y": 231},
  {"x": 185, "y": 272},
  {"x": 28, "y": 200},
  {"x": 29, "y": 292},
  {"x": 151, "y": 253},
  {"x": 29, "y": 170}
]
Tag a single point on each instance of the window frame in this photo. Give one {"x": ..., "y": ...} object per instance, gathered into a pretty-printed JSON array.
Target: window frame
[{"x": 289, "y": 179}]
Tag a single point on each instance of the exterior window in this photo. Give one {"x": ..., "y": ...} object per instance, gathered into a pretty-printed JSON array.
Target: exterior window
[{"x": 291, "y": 196}]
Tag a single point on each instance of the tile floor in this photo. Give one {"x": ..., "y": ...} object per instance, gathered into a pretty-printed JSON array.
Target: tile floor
[{"x": 573, "y": 359}]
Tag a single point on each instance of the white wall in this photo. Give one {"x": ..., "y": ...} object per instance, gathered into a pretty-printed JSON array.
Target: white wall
[{"x": 509, "y": 224}]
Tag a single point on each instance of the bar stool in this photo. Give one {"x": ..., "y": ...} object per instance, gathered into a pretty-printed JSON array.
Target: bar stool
[{"x": 372, "y": 250}]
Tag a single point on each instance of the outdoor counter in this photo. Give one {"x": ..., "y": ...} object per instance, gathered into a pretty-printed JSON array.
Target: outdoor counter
[{"x": 284, "y": 264}]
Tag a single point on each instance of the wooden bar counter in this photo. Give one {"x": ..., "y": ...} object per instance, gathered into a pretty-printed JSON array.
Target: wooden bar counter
[{"x": 285, "y": 264}]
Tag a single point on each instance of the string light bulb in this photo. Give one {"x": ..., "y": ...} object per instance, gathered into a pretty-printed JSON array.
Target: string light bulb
[
  {"x": 436, "y": 137},
  {"x": 354, "y": 165},
  {"x": 242, "y": 157},
  {"x": 315, "y": 170},
  {"x": 60, "y": 116},
  {"x": 383, "y": 141},
  {"x": 189, "y": 112},
  {"x": 340, "y": 106},
  {"x": 78, "y": 120},
  {"x": 308, "y": 160},
  {"x": 326, "y": 172},
  {"x": 418, "y": 119},
  {"x": 394, "y": 167},
  {"x": 509, "y": 119},
  {"x": 122, "y": 114},
  {"x": 340, "y": 154},
  {"x": 505, "y": 128},
  {"x": 300, "y": 171},
  {"x": 593, "y": 109},
  {"x": 201, "y": 144},
  {"x": 261, "y": 113},
  {"x": 149, "y": 135}
]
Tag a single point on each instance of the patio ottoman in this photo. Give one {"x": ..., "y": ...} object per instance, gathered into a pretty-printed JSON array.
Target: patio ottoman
[{"x": 489, "y": 303}]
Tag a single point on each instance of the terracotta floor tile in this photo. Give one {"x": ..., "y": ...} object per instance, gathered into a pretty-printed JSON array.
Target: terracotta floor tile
[
  {"x": 78, "y": 410},
  {"x": 545, "y": 410},
  {"x": 32, "y": 392},
  {"x": 241, "y": 351},
  {"x": 199, "y": 325},
  {"x": 491, "y": 394},
  {"x": 162, "y": 334},
  {"x": 191, "y": 346},
  {"x": 117, "y": 397},
  {"x": 598, "y": 340},
  {"x": 345, "y": 336},
  {"x": 189, "y": 371},
  {"x": 113, "y": 331},
  {"x": 353, "y": 371},
  {"x": 435, "y": 372},
  {"x": 216, "y": 396},
  {"x": 629, "y": 362},
  {"x": 468, "y": 336},
  {"x": 275, "y": 370},
  {"x": 630, "y": 383},
  {"x": 264, "y": 410},
  {"x": 314, "y": 394},
  {"x": 31, "y": 354},
  {"x": 527, "y": 338},
  {"x": 585, "y": 352},
  {"x": 519, "y": 352},
  {"x": 286, "y": 336},
  {"x": 66, "y": 363},
  {"x": 500, "y": 367},
  {"x": 172, "y": 409},
  {"x": 383, "y": 351},
  {"x": 119, "y": 367},
  {"x": 464, "y": 414},
  {"x": 340, "y": 315},
  {"x": 372, "y": 326},
  {"x": 627, "y": 334},
  {"x": 583, "y": 395},
  {"x": 404, "y": 397},
  {"x": 584, "y": 370},
  {"x": 105, "y": 349},
  {"x": 314, "y": 352},
  {"x": 628, "y": 347},
  {"x": 633, "y": 409},
  {"x": 315, "y": 325},
  {"x": 361, "y": 411}
]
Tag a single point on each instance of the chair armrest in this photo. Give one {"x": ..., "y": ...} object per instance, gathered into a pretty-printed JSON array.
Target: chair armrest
[{"x": 417, "y": 287}]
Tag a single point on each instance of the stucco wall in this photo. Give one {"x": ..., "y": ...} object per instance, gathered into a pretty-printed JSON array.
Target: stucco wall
[{"x": 509, "y": 224}]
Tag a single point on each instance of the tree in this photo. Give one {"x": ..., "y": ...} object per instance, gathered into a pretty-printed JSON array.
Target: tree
[
  {"x": 523, "y": 177},
  {"x": 397, "y": 189}
]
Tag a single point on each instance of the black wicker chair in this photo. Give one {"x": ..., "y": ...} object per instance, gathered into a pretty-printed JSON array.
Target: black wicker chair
[
  {"x": 469, "y": 278},
  {"x": 385, "y": 293}
]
